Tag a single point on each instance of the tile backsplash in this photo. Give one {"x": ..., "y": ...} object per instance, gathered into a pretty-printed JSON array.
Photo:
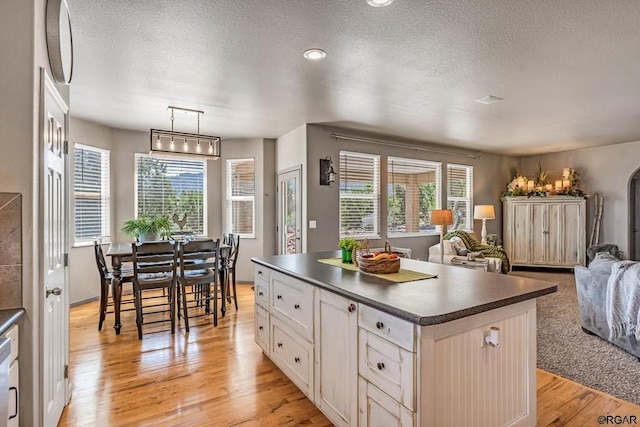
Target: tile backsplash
[{"x": 10, "y": 250}]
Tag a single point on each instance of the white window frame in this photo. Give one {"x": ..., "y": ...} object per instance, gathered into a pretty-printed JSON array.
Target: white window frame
[
  {"x": 373, "y": 196},
  {"x": 467, "y": 200},
  {"x": 438, "y": 193},
  {"x": 230, "y": 198},
  {"x": 105, "y": 197},
  {"x": 138, "y": 156}
]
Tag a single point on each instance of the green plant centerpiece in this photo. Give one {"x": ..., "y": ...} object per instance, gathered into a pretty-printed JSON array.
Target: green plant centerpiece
[
  {"x": 147, "y": 228},
  {"x": 348, "y": 244}
]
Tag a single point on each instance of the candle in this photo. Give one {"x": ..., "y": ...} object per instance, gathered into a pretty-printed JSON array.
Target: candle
[
  {"x": 558, "y": 185},
  {"x": 521, "y": 183},
  {"x": 530, "y": 185},
  {"x": 566, "y": 183},
  {"x": 565, "y": 173},
  {"x": 549, "y": 187}
]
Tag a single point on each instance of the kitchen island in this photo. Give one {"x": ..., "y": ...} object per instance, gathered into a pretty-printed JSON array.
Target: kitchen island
[{"x": 455, "y": 350}]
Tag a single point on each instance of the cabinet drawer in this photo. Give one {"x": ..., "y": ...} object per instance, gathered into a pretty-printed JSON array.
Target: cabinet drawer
[
  {"x": 262, "y": 272},
  {"x": 261, "y": 289},
  {"x": 292, "y": 302},
  {"x": 12, "y": 334},
  {"x": 387, "y": 366},
  {"x": 293, "y": 355},
  {"x": 262, "y": 328},
  {"x": 387, "y": 326},
  {"x": 379, "y": 410}
]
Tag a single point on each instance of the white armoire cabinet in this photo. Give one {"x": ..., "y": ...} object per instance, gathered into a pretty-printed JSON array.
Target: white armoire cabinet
[{"x": 545, "y": 231}]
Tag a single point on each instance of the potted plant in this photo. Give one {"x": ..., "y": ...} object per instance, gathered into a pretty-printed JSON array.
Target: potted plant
[
  {"x": 147, "y": 228},
  {"x": 348, "y": 244}
]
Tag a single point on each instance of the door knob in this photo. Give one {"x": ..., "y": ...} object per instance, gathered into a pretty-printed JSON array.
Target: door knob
[{"x": 55, "y": 291}]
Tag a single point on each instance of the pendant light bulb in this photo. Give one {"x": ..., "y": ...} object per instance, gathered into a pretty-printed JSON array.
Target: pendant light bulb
[
  {"x": 172, "y": 146},
  {"x": 185, "y": 146},
  {"x": 158, "y": 142},
  {"x": 210, "y": 147},
  {"x": 198, "y": 147}
]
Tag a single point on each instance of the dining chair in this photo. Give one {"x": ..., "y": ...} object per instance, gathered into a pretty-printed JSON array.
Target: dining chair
[
  {"x": 233, "y": 240},
  {"x": 199, "y": 262},
  {"x": 106, "y": 276},
  {"x": 154, "y": 268}
]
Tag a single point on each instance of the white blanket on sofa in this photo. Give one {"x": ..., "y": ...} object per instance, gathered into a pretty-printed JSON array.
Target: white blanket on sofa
[{"x": 623, "y": 300}]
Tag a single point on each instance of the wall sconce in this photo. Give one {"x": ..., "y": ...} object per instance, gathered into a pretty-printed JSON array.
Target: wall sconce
[{"x": 327, "y": 174}]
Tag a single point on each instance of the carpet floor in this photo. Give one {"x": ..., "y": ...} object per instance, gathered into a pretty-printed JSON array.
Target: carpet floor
[{"x": 566, "y": 350}]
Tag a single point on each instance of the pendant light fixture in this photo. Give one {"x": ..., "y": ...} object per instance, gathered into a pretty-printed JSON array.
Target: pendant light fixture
[{"x": 164, "y": 141}]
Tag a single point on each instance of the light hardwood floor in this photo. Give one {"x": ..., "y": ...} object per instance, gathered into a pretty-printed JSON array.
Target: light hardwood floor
[{"x": 219, "y": 377}]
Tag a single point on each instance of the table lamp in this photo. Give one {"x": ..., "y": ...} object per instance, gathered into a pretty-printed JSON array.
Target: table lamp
[
  {"x": 441, "y": 217},
  {"x": 484, "y": 212}
]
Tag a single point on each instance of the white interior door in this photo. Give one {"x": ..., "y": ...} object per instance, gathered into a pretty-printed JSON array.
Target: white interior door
[
  {"x": 289, "y": 228},
  {"x": 54, "y": 214}
]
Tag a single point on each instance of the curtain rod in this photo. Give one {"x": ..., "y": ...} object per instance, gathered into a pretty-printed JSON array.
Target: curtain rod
[{"x": 411, "y": 147}]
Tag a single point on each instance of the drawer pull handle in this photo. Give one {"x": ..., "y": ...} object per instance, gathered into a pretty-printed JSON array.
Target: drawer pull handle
[
  {"x": 380, "y": 366},
  {"x": 261, "y": 294},
  {"x": 14, "y": 389},
  {"x": 297, "y": 306},
  {"x": 352, "y": 308},
  {"x": 260, "y": 328},
  {"x": 379, "y": 325},
  {"x": 279, "y": 296},
  {"x": 280, "y": 344},
  {"x": 297, "y": 360},
  {"x": 260, "y": 272}
]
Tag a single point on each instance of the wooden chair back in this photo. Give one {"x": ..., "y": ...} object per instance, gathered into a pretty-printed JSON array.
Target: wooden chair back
[
  {"x": 154, "y": 264},
  {"x": 199, "y": 257}
]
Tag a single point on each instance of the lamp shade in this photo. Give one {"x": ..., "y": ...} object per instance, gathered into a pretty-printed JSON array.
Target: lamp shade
[
  {"x": 484, "y": 212},
  {"x": 441, "y": 217}
]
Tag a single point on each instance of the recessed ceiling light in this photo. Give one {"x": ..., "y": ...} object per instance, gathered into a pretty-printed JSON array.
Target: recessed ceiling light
[
  {"x": 489, "y": 99},
  {"x": 314, "y": 54},
  {"x": 379, "y": 3}
]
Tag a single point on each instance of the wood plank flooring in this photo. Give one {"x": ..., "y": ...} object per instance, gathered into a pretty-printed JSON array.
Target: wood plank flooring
[{"x": 219, "y": 377}]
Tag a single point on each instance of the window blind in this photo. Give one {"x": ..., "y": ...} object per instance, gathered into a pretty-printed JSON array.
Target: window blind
[
  {"x": 359, "y": 194},
  {"x": 241, "y": 185},
  {"x": 172, "y": 187},
  {"x": 90, "y": 193},
  {"x": 460, "y": 195},
  {"x": 413, "y": 191}
]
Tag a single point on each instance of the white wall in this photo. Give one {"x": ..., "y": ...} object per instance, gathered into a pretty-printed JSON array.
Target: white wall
[
  {"x": 23, "y": 49},
  {"x": 604, "y": 170},
  {"x": 84, "y": 278}
]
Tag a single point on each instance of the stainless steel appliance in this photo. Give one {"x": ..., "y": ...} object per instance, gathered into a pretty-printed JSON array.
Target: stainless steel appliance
[{"x": 5, "y": 353}]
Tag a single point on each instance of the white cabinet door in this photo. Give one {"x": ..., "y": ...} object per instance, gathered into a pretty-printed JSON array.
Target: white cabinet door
[
  {"x": 336, "y": 347},
  {"x": 14, "y": 380}
]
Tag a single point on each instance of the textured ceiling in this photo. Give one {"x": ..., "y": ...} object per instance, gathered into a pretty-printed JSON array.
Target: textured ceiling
[{"x": 569, "y": 70}]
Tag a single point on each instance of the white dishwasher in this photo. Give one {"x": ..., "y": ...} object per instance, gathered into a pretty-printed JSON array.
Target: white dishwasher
[{"x": 5, "y": 360}]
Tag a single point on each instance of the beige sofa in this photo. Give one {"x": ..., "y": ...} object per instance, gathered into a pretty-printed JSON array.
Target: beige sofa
[{"x": 494, "y": 266}]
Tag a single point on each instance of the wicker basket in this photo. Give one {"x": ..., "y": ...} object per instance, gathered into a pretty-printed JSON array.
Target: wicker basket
[{"x": 378, "y": 266}]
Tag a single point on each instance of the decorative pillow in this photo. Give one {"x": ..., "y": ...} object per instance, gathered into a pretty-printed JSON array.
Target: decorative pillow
[
  {"x": 448, "y": 247},
  {"x": 603, "y": 262},
  {"x": 458, "y": 245}
]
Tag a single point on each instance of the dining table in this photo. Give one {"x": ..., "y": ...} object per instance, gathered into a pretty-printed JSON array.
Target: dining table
[{"x": 121, "y": 252}]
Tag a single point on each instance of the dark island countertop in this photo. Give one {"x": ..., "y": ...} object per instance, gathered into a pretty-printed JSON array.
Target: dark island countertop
[
  {"x": 8, "y": 317},
  {"x": 456, "y": 293}
]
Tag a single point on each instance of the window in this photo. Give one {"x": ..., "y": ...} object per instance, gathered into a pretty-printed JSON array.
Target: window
[
  {"x": 241, "y": 195},
  {"x": 413, "y": 191},
  {"x": 460, "y": 195},
  {"x": 359, "y": 194},
  {"x": 90, "y": 193},
  {"x": 172, "y": 187}
]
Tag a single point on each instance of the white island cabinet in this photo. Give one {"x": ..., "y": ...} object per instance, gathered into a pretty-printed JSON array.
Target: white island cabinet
[{"x": 459, "y": 351}]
